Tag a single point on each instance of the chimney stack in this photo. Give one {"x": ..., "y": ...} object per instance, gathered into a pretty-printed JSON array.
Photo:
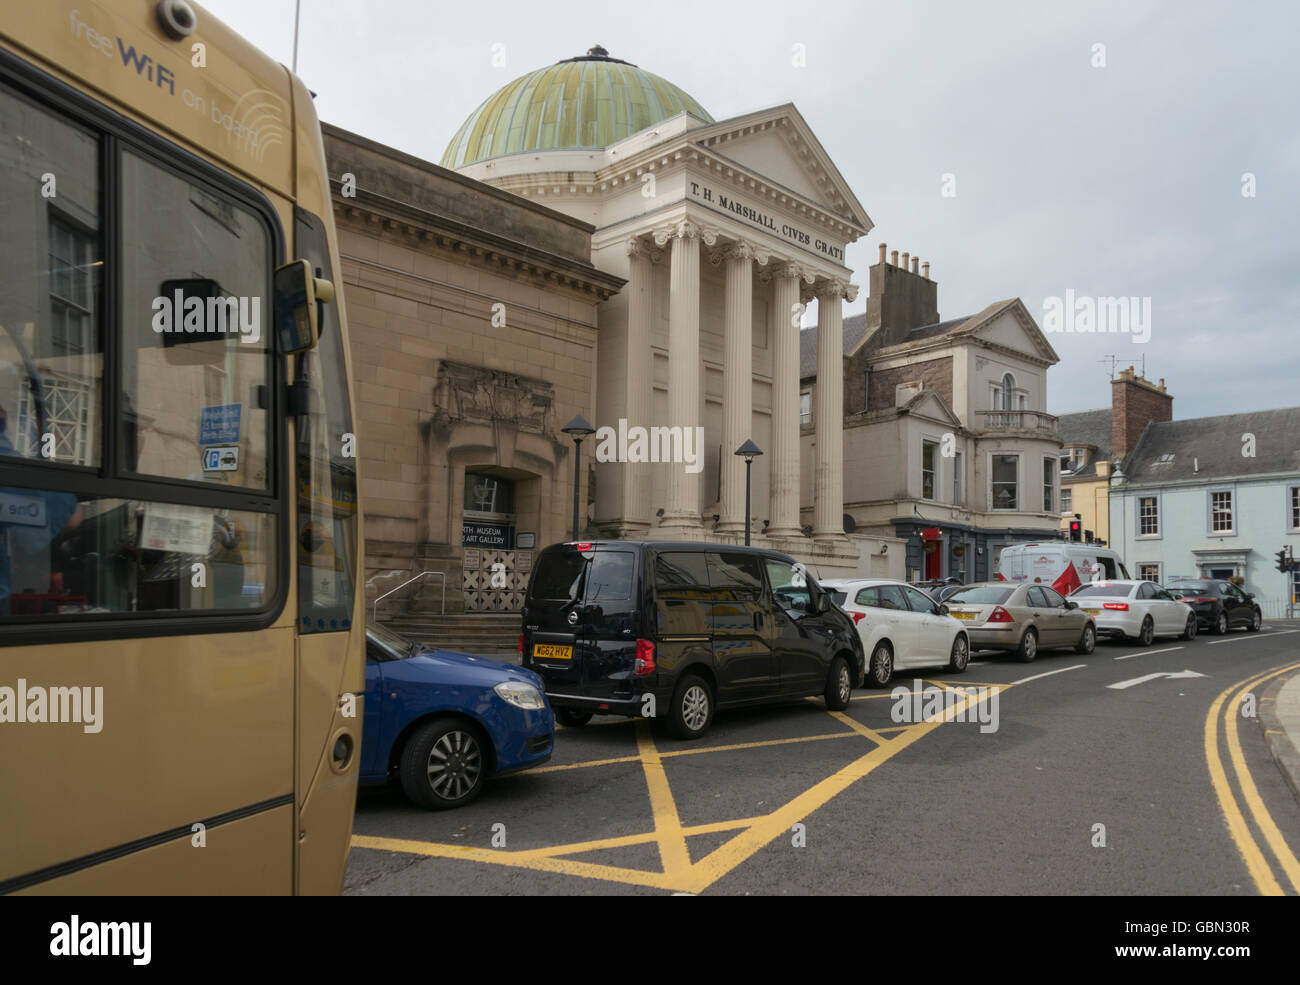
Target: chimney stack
[
  {"x": 900, "y": 298},
  {"x": 1134, "y": 403}
]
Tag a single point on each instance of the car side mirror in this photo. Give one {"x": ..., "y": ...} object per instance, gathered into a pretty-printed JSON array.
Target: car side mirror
[
  {"x": 1071, "y": 605},
  {"x": 943, "y": 608},
  {"x": 823, "y": 603},
  {"x": 1250, "y": 595}
]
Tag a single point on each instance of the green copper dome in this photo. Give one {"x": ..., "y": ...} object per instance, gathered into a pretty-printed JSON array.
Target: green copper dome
[{"x": 581, "y": 103}]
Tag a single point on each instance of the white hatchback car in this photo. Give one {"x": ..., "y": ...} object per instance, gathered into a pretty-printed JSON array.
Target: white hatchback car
[
  {"x": 1139, "y": 610},
  {"x": 900, "y": 627}
]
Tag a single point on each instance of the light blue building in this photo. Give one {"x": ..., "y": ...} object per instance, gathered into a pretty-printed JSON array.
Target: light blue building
[{"x": 1213, "y": 497}]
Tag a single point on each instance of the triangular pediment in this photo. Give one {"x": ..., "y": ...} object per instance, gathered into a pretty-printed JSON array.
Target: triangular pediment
[
  {"x": 776, "y": 145},
  {"x": 1009, "y": 325},
  {"x": 930, "y": 405}
]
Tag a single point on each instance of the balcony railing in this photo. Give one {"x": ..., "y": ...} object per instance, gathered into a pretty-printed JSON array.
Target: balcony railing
[{"x": 1016, "y": 420}]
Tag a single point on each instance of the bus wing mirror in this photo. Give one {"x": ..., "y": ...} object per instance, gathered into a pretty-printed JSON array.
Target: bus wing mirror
[{"x": 298, "y": 296}]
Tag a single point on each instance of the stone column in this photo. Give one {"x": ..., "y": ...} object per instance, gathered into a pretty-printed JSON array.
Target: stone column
[
  {"x": 828, "y": 507},
  {"x": 640, "y": 377},
  {"x": 682, "y": 509},
  {"x": 787, "y": 310},
  {"x": 737, "y": 383}
]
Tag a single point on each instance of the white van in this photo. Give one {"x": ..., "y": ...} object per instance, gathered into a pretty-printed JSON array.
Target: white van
[{"x": 1064, "y": 565}]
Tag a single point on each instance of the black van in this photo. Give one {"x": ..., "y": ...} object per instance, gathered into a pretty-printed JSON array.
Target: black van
[{"x": 675, "y": 630}]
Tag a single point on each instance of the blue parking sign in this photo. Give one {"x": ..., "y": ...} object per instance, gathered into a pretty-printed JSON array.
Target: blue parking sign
[{"x": 220, "y": 424}]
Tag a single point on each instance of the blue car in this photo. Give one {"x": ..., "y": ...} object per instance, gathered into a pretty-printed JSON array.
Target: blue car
[{"x": 443, "y": 722}]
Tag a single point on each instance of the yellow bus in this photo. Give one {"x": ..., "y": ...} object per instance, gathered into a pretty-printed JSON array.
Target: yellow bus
[{"x": 181, "y": 632}]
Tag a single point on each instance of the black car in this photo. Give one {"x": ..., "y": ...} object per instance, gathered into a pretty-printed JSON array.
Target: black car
[
  {"x": 673, "y": 631},
  {"x": 1219, "y": 605}
]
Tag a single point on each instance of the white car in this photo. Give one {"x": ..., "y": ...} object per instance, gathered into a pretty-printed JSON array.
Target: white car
[
  {"x": 900, "y": 627},
  {"x": 1139, "y": 610}
]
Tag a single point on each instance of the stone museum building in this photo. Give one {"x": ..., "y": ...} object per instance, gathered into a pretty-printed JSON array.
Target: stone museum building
[
  {"x": 593, "y": 242},
  {"x": 723, "y": 231}
]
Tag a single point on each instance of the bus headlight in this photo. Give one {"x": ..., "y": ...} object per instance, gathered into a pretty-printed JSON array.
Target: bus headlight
[{"x": 521, "y": 695}]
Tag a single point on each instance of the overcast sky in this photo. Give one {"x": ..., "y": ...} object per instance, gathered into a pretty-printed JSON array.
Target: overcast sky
[{"x": 1122, "y": 180}]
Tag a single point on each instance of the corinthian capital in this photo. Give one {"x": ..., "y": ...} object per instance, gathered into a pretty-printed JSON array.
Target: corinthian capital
[
  {"x": 834, "y": 289},
  {"x": 639, "y": 247}
]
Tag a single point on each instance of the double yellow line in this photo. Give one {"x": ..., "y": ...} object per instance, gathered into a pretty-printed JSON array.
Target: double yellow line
[{"x": 1228, "y": 706}]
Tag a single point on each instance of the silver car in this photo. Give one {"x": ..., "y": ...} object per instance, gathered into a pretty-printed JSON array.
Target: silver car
[{"x": 1021, "y": 618}]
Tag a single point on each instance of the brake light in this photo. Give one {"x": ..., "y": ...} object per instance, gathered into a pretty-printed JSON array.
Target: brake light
[
  {"x": 521, "y": 642},
  {"x": 584, "y": 546},
  {"x": 999, "y": 614},
  {"x": 858, "y": 617},
  {"x": 645, "y": 659},
  {"x": 1119, "y": 606}
]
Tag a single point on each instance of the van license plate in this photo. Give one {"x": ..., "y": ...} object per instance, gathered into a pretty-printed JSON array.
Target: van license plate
[{"x": 552, "y": 651}]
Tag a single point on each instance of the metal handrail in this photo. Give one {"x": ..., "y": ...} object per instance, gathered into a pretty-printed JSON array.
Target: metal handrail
[{"x": 440, "y": 574}]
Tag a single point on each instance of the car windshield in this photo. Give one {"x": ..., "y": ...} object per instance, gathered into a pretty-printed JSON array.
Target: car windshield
[
  {"x": 1194, "y": 588},
  {"x": 981, "y": 595},
  {"x": 1104, "y": 588},
  {"x": 395, "y": 642}
]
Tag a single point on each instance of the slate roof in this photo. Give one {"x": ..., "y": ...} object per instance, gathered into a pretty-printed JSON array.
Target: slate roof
[
  {"x": 1211, "y": 447},
  {"x": 1086, "y": 427},
  {"x": 855, "y": 328}
]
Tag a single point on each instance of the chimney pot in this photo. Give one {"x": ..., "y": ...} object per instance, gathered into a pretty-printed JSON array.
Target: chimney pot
[
  {"x": 925, "y": 270},
  {"x": 882, "y": 252},
  {"x": 915, "y": 263},
  {"x": 893, "y": 257},
  {"x": 905, "y": 256}
]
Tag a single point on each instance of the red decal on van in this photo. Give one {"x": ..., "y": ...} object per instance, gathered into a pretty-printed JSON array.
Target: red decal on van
[{"x": 1068, "y": 581}]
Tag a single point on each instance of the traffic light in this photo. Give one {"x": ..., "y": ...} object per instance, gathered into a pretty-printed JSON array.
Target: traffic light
[
  {"x": 1283, "y": 563},
  {"x": 1076, "y": 528}
]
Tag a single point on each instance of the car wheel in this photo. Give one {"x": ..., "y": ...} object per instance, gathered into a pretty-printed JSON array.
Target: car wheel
[
  {"x": 1028, "y": 646},
  {"x": 1190, "y": 631},
  {"x": 692, "y": 709},
  {"x": 960, "y": 655},
  {"x": 1220, "y": 624},
  {"x": 839, "y": 685},
  {"x": 1256, "y": 621},
  {"x": 1088, "y": 641},
  {"x": 882, "y": 665},
  {"x": 444, "y": 764},
  {"x": 1147, "y": 634},
  {"x": 572, "y": 717}
]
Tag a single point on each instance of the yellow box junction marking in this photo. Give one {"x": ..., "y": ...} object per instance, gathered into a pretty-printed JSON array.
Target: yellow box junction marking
[{"x": 679, "y": 873}]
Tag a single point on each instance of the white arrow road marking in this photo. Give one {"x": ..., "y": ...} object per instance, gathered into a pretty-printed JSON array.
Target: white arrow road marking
[
  {"x": 1252, "y": 636},
  {"x": 1026, "y": 680},
  {"x": 1151, "y": 677},
  {"x": 1147, "y": 653}
]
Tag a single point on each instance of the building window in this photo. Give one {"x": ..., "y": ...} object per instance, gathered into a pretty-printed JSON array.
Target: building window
[
  {"x": 1049, "y": 483},
  {"x": 1148, "y": 516},
  {"x": 956, "y": 479},
  {"x": 929, "y": 454},
  {"x": 1149, "y": 571},
  {"x": 1294, "y": 512},
  {"x": 1004, "y": 476},
  {"x": 488, "y": 494},
  {"x": 1008, "y": 392},
  {"x": 1221, "y": 512},
  {"x": 1067, "y": 500},
  {"x": 805, "y": 408}
]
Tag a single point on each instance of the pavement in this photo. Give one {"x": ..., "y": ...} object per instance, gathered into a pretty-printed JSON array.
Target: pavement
[{"x": 1279, "y": 713}]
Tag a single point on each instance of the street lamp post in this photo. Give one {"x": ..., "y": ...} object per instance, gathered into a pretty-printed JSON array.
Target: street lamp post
[
  {"x": 577, "y": 429},
  {"x": 748, "y": 451}
]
